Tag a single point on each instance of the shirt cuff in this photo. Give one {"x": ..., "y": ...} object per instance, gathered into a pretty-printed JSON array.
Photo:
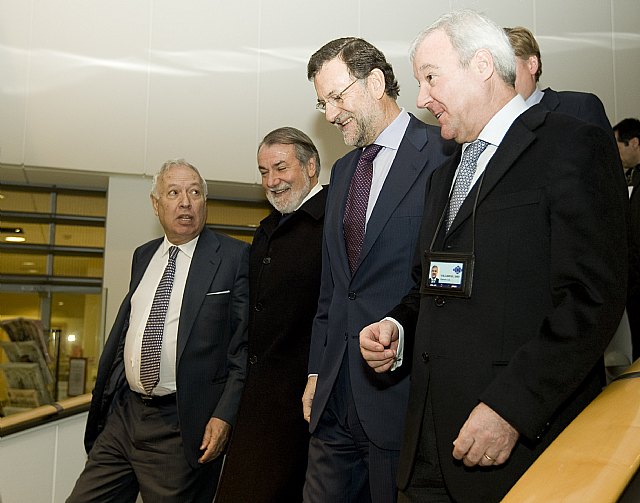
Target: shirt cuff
[{"x": 400, "y": 350}]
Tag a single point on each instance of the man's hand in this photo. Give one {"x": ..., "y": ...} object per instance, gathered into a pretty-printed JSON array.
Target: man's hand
[
  {"x": 307, "y": 397},
  {"x": 485, "y": 439},
  {"x": 216, "y": 436},
  {"x": 379, "y": 345}
]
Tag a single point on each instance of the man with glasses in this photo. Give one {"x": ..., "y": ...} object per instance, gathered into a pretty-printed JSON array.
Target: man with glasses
[{"x": 374, "y": 206}]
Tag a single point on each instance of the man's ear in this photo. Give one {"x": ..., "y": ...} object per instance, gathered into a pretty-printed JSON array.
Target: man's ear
[
  {"x": 311, "y": 168},
  {"x": 483, "y": 62},
  {"x": 376, "y": 83},
  {"x": 533, "y": 64},
  {"x": 154, "y": 203},
  {"x": 634, "y": 142}
]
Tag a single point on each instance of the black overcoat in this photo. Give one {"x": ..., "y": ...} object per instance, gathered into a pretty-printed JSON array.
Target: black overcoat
[{"x": 267, "y": 458}]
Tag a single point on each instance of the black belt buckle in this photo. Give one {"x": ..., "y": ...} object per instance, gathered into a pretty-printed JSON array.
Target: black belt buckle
[
  {"x": 147, "y": 399},
  {"x": 156, "y": 401}
]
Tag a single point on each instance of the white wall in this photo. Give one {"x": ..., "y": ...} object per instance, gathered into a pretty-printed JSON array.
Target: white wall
[
  {"x": 131, "y": 222},
  {"x": 41, "y": 465},
  {"x": 121, "y": 86}
]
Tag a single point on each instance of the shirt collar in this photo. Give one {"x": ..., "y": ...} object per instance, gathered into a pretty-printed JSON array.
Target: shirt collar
[
  {"x": 188, "y": 248},
  {"x": 494, "y": 131},
  {"x": 392, "y": 135},
  {"x": 314, "y": 190},
  {"x": 535, "y": 98}
]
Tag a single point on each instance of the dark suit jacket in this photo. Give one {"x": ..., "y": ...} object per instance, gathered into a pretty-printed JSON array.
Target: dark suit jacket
[
  {"x": 634, "y": 238},
  {"x": 267, "y": 458},
  {"x": 348, "y": 303},
  {"x": 633, "y": 300},
  {"x": 548, "y": 293},
  {"x": 583, "y": 106},
  {"x": 212, "y": 338}
]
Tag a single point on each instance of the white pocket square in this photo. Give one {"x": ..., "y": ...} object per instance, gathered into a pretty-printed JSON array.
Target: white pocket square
[{"x": 221, "y": 292}]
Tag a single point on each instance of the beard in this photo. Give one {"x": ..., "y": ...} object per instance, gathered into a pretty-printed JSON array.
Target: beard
[
  {"x": 290, "y": 202},
  {"x": 362, "y": 127}
]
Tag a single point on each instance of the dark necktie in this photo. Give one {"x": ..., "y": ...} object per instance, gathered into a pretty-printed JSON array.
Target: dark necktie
[
  {"x": 355, "y": 211},
  {"x": 467, "y": 169},
  {"x": 152, "y": 337}
]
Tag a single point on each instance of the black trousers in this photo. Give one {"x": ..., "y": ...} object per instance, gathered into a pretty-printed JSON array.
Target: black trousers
[
  {"x": 427, "y": 483},
  {"x": 140, "y": 450},
  {"x": 344, "y": 466}
]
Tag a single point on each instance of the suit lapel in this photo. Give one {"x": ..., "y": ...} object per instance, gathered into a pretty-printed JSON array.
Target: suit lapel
[
  {"x": 406, "y": 168},
  {"x": 518, "y": 138},
  {"x": 204, "y": 264},
  {"x": 142, "y": 262},
  {"x": 438, "y": 197},
  {"x": 550, "y": 99},
  {"x": 339, "y": 188}
]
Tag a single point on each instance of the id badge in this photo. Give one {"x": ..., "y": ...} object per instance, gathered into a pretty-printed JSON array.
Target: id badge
[{"x": 448, "y": 274}]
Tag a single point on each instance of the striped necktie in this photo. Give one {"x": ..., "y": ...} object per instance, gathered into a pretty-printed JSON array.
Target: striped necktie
[
  {"x": 355, "y": 212},
  {"x": 152, "y": 337}
]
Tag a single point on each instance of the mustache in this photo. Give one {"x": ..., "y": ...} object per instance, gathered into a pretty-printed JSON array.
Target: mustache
[
  {"x": 281, "y": 186},
  {"x": 342, "y": 118}
]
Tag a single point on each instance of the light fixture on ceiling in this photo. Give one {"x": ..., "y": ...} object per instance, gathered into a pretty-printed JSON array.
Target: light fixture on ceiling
[{"x": 15, "y": 234}]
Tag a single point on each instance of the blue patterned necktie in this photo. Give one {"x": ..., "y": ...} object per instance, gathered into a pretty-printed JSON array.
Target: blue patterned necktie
[
  {"x": 355, "y": 211},
  {"x": 467, "y": 169},
  {"x": 152, "y": 337}
]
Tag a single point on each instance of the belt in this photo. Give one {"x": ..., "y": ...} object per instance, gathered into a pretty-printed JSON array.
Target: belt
[{"x": 156, "y": 401}]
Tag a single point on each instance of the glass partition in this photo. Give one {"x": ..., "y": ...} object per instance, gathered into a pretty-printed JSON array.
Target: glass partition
[{"x": 51, "y": 309}]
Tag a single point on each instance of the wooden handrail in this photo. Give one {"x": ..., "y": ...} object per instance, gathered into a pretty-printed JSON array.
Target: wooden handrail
[
  {"x": 595, "y": 457},
  {"x": 45, "y": 413}
]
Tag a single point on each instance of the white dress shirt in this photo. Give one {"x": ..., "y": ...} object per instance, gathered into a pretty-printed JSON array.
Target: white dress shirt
[
  {"x": 535, "y": 98},
  {"x": 141, "y": 306},
  {"x": 389, "y": 140}
]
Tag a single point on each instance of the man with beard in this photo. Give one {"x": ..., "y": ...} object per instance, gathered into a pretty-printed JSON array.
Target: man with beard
[
  {"x": 267, "y": 458},
  {"x": 374, "y": 206}
]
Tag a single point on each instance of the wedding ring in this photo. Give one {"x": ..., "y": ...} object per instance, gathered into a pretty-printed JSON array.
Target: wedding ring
[{"x": 488, "y": 458}]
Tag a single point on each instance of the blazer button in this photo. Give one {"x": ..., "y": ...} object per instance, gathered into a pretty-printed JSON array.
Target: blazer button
[
  {"x": 346, "y": 336},
  {"x": 439, "y": 301},
  {"x": 266, "y": 260},
  {"x": 258, "y": 306},
  {"x": 425, "y": 357},
  {"x": 352, "y": 295},
  {"x": 253, "y": 359}
]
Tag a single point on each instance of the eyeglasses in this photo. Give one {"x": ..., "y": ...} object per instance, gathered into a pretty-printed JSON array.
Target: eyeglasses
[{"x": 335, "y": 101}]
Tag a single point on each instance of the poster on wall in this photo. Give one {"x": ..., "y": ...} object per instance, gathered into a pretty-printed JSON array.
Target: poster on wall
[{"x": 77, "y": 376}]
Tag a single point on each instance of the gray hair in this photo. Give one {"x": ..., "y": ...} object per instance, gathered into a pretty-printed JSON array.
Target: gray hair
[
  {"x": 305, "y": 149},
  {"x": 468, "y": 32},
  {"x": 171, "y": 163}
]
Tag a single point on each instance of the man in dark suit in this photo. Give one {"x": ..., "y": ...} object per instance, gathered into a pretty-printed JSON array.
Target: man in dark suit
[
  {"x": 267, "y": 457},
  {"x": 627, "y": 134},
  {"x": 162, "y": 408},
  {"x": 371, "y": 230},
  {"x": 503, "y": 364},
  {"x": 583, "y": 106}
]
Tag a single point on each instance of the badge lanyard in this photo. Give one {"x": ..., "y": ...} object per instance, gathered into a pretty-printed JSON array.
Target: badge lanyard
[{"x": 451, "y": 273}]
